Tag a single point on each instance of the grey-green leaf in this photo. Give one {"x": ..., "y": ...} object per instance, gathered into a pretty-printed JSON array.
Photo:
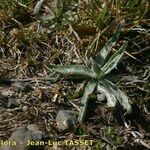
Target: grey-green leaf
[
  {"x": 111, "y": 99},
  {"x": 114, "y": 59},
  {"x": 107, "y": 47},
  {"x": 118, "y": 94},
  {"x": 96, "y": 69},
  {"x": 84, "y": 102},
  {"x": 73, "y": 69}
]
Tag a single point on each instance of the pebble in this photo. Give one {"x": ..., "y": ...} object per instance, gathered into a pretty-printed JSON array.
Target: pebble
[
  {"x": 66, "y": 120},
  {"x": 24, "y": 108},
  {"x": 3, "y": 100},
  {"x": 101, "y": 97}
]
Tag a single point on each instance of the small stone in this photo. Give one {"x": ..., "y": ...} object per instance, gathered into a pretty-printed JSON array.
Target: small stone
[
  {"x": 3, "y": 100},
  {"x": 24, "y": 87},
  {"x": 101, "y": 97},
  {"x": 12, "y": 103},
  {"x": 24, "y": 108},
  {"x": 19, "y": 95},
  {"x": 66, "y": 120}
]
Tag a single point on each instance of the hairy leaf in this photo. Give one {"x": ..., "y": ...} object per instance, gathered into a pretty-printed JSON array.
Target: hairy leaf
[
  {"x": 73, "y": 69},
  {"x": 111, "y": 99},
  {"x": 114, "y": 59},
  {"x": 107, "y": 48},
  {"x": 96, "y": 69},
  {"x": 118, "y": 94},
  {"x": 84, "y": 102}
]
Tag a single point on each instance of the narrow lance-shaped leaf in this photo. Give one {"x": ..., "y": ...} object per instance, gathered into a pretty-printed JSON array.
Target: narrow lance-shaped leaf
[
  {"x": 114, "y": 59},
  {"x": 84, "y": 102},
  {"x": 100, "y": 59},
  {"x": 111, "y": 99},
  {"x": 73, "y": 69},
  {"x": 96, "y": 69},
  {"x": 119, "y": 95}
]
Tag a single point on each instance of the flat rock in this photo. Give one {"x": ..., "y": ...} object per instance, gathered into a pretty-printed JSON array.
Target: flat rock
[
  {"x": 21, "y": 136},
  {"x": 35, "y": 132}
]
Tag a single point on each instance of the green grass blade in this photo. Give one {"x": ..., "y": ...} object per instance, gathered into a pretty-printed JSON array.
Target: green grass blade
[
  {"x": 107, "y": 47},
  {"x": 73, "y": 69},
  {"x": 84, "y": 102},
  {"x": 114, "y": 59}
]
